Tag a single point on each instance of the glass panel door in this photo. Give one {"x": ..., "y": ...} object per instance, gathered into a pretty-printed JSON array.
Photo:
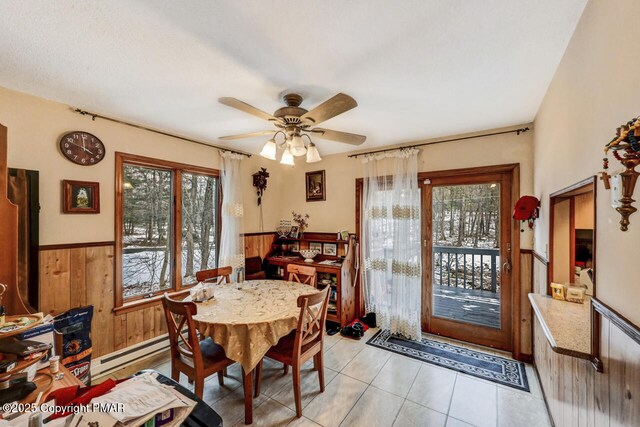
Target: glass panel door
[
  {"x": 467, "y": 281},
  {"x": 466, "y": 253}
]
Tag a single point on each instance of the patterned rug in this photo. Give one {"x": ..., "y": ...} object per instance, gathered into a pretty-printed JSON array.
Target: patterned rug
[{"x": 482, "y": 365}]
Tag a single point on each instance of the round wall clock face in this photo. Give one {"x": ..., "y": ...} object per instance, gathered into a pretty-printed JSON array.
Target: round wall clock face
[{"x": 82, "y": 148}]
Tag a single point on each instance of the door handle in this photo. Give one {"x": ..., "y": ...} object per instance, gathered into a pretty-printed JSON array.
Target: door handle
[{"x": 507, "y": 265}]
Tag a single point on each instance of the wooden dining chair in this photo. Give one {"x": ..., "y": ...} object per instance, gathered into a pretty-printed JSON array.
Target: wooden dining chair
[
  {"x": 214, "y": 273},
  {"x": 194, "y": 358},
  {"x": 302, "y": 274},
  {"x": 302, "y": 344}
]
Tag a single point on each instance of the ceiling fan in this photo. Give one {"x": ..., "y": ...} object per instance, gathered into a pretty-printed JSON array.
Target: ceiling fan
[{"x": 295, "y": 123}]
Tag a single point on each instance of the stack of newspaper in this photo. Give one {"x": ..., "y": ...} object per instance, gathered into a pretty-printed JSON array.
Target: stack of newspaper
[{"x": 140, "y": 401}]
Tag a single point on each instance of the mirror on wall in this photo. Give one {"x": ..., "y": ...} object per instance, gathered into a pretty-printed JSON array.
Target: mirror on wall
[{"x": 572, "y": 243}]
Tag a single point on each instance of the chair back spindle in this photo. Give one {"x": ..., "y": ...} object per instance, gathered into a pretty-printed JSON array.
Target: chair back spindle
[
  {"x": 302, "y": 274},
  {"x": 180, "y": 321},
  {"x": 313, "y": 316},
  {"x": 213, "y": 274}
]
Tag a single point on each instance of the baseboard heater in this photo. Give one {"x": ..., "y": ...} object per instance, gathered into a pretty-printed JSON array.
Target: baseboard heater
[{"x": 109, "y": 363}]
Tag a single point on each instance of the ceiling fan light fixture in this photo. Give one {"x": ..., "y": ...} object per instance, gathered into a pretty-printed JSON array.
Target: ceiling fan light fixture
[
  {"x": 313, "y": 155},
  {"x": 287, "y": 158},
  {"x": 296, "y": 146},
  {"x": 269, "y": 150}
]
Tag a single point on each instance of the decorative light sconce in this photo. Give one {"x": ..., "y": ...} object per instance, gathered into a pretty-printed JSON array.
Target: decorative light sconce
[{"x": 626, "y": 149}]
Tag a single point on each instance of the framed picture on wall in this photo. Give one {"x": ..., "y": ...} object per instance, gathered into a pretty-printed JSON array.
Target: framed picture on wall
[
  {"x": 315, "y": 246},
  {"x": 330, "y": 249},
  {"x": 80, "y": 197},
  {"x": 315, "y": 185}
]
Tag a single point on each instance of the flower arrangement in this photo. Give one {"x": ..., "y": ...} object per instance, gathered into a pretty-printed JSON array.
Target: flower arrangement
[{"x": 301, "y": 220}]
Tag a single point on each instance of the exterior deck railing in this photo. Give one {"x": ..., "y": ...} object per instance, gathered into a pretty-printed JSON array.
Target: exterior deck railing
[{"x": 469, "y": 268}]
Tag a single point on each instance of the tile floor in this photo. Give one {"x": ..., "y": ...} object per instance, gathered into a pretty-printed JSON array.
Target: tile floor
[{"x": 366, "y": 386}]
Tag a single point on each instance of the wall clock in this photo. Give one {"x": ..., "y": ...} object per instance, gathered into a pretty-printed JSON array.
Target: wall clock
[{"x": 82, "y": 148}]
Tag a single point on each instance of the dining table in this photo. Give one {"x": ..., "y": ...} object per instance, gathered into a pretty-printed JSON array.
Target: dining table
[{"x": 247, "y": 319}]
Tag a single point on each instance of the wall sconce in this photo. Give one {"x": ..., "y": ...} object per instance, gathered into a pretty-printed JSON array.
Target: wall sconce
[{"x": 625, "y": 142}]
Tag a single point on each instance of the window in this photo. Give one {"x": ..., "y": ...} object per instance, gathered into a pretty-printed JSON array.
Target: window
[{"x": 167, "y": 225}]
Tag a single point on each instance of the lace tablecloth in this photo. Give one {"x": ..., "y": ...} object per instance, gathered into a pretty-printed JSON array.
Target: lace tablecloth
[{"x": 247, "y": 321}]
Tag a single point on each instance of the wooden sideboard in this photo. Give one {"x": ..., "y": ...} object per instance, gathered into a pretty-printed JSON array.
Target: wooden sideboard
[{"x": 342, "y": 300}]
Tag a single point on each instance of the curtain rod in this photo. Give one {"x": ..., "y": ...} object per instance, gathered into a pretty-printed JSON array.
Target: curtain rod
[
  {"x": 518, "y": 131},
  {"x": 94, "y": 115}
]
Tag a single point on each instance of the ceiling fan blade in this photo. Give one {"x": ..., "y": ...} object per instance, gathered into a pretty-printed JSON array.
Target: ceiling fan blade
[
  {"x": 247, "y": 135},
  {"x": 335, "y": 135},
  {"x": 329, "y": 108},
  {"x": 249, "y": 109}
]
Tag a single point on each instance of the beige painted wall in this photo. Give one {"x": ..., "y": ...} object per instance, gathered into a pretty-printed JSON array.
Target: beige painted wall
[
  {"x": 35, "y": 126},
  {"x": 272, "y": 209},
  {"x": 338, "y": 211},
  {"x": 595, "y": 89}
]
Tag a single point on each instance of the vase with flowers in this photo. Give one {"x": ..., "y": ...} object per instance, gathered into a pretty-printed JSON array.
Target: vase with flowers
[{"x": 301, "y": 220}]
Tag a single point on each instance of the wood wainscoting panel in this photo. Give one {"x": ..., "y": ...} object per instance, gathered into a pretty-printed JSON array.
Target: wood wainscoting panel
[
  {"x": 120, "y": 332},
  {"x": 77, "y": 276},
  {"x": 578, "y": 395},
  {"x": 624, "y": 379},
  {"x": 73, "y": 276},
  {"x": 135, "y": 327},
  {"x": 55, "y": 281},
  {"x": 526, "y": 314},
  {"x": 258, "y": 244},
  {"x": 99, "y": 291}
]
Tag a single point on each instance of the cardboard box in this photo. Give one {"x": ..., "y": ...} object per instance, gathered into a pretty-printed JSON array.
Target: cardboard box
[{"x": 41, "y": 333}]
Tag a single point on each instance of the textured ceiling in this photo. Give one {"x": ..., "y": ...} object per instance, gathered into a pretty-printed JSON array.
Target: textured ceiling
[{"x": 418, "y": 69}]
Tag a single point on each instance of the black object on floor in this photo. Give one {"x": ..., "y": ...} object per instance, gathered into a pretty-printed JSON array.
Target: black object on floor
[
  {"x": 202, "y": 414},
  {"x": 471, "y": 362},
  {"x": 369, "y": 320},
  {"x": 332, "y": 328},
  {"x": 354, "y": 330}
]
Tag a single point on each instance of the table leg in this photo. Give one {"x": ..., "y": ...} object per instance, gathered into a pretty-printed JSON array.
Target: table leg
[{"x": 247, "y": 380}]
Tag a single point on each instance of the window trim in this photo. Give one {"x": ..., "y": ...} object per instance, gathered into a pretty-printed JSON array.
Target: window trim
[{"x": 176, "y": 262}]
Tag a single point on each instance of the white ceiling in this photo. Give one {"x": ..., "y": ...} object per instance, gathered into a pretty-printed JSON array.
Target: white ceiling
[{"x": 418, "y": 69}]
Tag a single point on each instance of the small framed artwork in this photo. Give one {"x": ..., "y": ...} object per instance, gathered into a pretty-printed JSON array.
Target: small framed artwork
[
  {"x": 315, "y": 246},
  {"x": 295, "y": 232},
  {"x": 295, "y": 247},
  {"x": 558, "y": 291},
  {"x": 315, "y": 185},
  {"x": 329, "y": 249},
  {"x": 80, "y": 197}
]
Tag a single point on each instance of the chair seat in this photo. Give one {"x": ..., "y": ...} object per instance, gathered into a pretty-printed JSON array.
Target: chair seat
[
  {"x": 212, "y": 353},
  {"x": 283, "y": 351}
]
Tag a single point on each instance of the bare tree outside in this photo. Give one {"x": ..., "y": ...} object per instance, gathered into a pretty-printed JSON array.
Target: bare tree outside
[
  {"x": 466, "y": 217},
  {"x": 199, "y": 223},
  {"x": 148, "y": 223},
  {"x": 466, "y": 253}
]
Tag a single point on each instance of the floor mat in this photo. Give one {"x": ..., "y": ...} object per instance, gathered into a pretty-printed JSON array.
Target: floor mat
[{"x": 471, "y": 362}]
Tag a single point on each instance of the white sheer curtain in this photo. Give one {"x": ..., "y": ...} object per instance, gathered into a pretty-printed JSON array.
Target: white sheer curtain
[
  {"x": 231, "y": 236},
  {"x": 391, "y": 241}
]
